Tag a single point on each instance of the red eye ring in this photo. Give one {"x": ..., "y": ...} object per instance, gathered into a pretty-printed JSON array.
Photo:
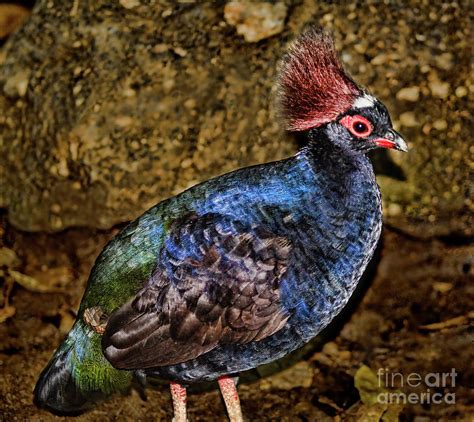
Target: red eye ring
[{"x": 359, "y": 126}]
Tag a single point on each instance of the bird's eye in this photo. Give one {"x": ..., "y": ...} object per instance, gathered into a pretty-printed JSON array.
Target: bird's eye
[{"x": 359, "y": 126}]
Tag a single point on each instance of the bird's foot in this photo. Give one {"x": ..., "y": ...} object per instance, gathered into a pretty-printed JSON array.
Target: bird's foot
[
  {"x": 231, "y": 398},
  {"x": 178, "y": 395}
]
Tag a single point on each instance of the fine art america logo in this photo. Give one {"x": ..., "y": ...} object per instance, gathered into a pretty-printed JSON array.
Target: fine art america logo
[{"x": 431, "y": 388}]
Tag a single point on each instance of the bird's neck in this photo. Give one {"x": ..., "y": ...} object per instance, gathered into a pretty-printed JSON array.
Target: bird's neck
[
  {"x": 339, "y": 169},
  {"x": 343, "y": 223}
]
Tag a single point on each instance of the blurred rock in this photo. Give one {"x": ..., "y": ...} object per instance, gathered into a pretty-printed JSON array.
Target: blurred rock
[
  {"x": 439, "y": 89},
  {"x": 9, "y": 258},
  {"x": 104, "y": 115},
  {"x": 299, "y": 375},
  {"x": 17, "y": 84},
  {"x": 461, "y": 91},
  {"x": 411, "y": 94},
  {"x": 53, "y": 279},
  {"x": 130, "y": 4},
  {"x": 255, "y": 21},
  {"x": 444, "y": 61},
  {"x": 12, "y": 17},
  {"x": 377, "y": 60},
  {"x": 408, "y": 119},
  {"x": 440, "y": 124}
]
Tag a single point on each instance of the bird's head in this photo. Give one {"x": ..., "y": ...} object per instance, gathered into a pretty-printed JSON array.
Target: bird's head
[{"x": 317, "y": 95}]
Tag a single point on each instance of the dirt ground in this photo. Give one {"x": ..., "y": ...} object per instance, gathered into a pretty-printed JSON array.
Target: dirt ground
[{"x": 412, "y": 314}]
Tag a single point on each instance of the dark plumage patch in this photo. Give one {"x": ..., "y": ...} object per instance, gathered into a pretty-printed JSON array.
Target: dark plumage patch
[
  {"x": 314, "y": 87},
  {"x": 56, "y": 389},
  {"x": 216, "y": 282}
]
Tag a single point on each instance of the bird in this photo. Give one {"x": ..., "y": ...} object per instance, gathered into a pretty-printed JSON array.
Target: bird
[{"x": 242, "y": 269}]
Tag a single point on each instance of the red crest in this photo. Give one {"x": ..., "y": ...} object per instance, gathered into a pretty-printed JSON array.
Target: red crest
[{"x": 314, "y": 87}]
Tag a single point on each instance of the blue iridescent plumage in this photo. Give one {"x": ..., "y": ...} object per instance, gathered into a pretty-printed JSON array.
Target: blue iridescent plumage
[{"x": 332, "y": 220}]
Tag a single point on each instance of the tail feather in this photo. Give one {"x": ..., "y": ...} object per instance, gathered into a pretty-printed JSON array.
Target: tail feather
[
  {"x": 57, "y": 390},
  {"x": 78, "y": 375}
]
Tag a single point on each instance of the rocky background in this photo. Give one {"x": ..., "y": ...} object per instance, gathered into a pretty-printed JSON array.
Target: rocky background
[{"x": 107, "y": 107}]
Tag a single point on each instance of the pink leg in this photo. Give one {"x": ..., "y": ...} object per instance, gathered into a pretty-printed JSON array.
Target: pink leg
[
  {"x": 178, "y": 394},
  {"x": 231, "y": 399}
]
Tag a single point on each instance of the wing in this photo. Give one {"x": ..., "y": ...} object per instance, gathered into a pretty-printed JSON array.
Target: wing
[{"x": 216, "y": 282}]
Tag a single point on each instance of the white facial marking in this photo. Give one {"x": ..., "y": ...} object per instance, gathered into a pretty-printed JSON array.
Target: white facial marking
[{"x": 365, "y": 101}]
